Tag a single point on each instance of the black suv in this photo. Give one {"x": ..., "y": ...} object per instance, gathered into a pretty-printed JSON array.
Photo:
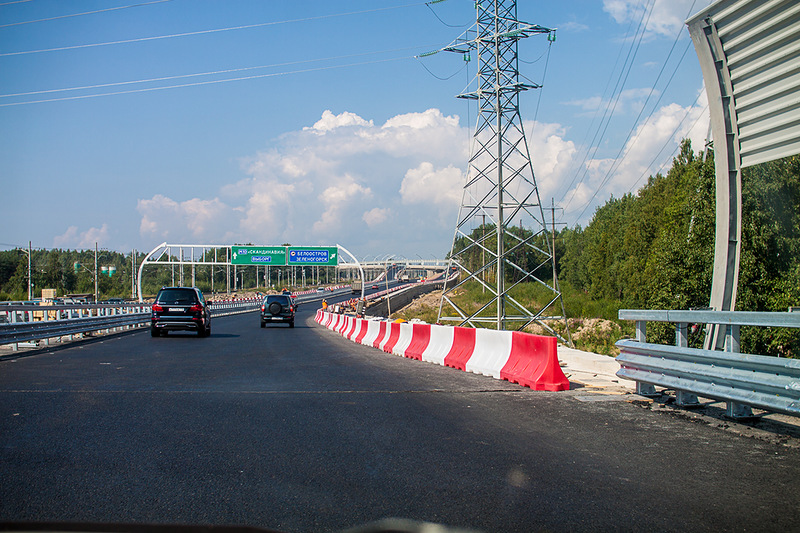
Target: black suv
[
  {"x": 180, "y": 308},
  {"x": 278, "y": 308}
]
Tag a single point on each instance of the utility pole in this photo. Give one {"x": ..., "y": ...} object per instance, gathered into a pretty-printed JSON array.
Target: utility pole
[
  {"x": 552, "y": 210},
  {"x": 30, "y": 280},
  {"x": 501, "y": 187}
]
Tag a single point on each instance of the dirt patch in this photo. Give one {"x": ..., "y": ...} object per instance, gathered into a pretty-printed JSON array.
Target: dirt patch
[{"x": 423, "y": 303}]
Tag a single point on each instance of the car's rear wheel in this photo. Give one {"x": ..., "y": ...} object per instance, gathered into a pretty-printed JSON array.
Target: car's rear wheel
[
  {"x": 275, "y": 308},
  {"x": 154, "y": 332},
  {"x": 291, "y": 324},
  {"x": 263, "y": 324}
]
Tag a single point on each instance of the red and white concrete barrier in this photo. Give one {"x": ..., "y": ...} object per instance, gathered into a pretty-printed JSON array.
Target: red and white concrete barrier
[{"x": 523, "y": 358}]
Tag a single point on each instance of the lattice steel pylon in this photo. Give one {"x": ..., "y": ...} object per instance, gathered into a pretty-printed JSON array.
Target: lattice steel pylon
[{"x": 501, "y": 238}]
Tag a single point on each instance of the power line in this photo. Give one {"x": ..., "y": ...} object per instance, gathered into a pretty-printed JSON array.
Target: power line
[
  {"x": 81, "y": 14},
  {"x": 199, "y": 74},
  {"x": 428, "y": 4},
  {"x": 618, "y": 160},
  {"x": 203, "y": 32},
  {"x": 209, "y": 82},
  {"x": 666, "y": 143},
  {"x": 611, "y": 106}
]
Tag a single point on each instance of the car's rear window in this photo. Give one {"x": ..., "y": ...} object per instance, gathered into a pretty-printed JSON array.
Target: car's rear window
[
  {"x": 177, "y": 296},
  {"x": 281, "y": 299}
]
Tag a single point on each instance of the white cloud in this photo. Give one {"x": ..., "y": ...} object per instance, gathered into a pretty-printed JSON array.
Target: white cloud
[
  {"x": 649, "y": 151},
  {"x": 329, "y": 121},
  {"x": 337, "y": 199},
  {"x": 668, "y": 17},
  {"x": 332, "y": 182},
  {"x": 628, "y": 101},
  {"x": 193, "y": 219},
  {"x": 84, "y": 240},
  {"x": 342, "y": 180},
  {"x": 426, "y": 185},
  {"x": 376, "y": 216}
]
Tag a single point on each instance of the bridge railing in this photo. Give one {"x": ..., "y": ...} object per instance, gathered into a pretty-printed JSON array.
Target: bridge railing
[{"x": 741, "y": 380}]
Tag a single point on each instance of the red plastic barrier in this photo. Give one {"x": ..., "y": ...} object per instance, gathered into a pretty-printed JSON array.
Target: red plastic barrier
[
  {"x": 394, "y": 335},
  {"x": 463, "y": 346},
  {"x": 355, "y": 323},
  {"x": 344, "y": 324},
  {"x": 534, "y": 363},
  {"x": 362, "y": 331},
  {"x": 420, "y": 338},
  {"x": 381, "y": 335}
]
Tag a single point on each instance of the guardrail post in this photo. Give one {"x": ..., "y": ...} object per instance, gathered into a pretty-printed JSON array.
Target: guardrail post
[
  {"x": 14, "y": 346},
  {"x": 45, "y": 318},
  {"x": 643, "y": 389},
  {"x": 734, "y": 409},
  {"x": 684, "y": 398}
]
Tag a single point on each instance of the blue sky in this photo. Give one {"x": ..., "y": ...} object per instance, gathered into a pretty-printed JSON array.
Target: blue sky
[{"x": 318, "y": 124}]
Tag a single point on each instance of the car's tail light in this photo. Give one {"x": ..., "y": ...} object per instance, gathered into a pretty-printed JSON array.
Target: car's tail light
[
  {"x": 196, "y": 308},
  {"x": 157, "y": 308},
  {"x": 263, "y": 308}
]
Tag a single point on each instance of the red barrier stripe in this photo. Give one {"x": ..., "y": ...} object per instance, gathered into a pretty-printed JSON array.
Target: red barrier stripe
[
  {"x": 343, "y": 325},
  {"x": 381, "y": 335},
  {"x": 364, "y": 324},
  {"x": 420, "y": 338},
  {"x": 463, "y": 346},
  {"x": 534, "y": 363},
  {"x": 394, "y": 334},
  {"x": 355, "y": 322}
]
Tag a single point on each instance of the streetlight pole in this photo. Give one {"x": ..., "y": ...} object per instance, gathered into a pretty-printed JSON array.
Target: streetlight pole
[
  {"x": 388, "y": 296},
  {"x": 30, "y": 280},
  {"x": 96, "y": 290}
]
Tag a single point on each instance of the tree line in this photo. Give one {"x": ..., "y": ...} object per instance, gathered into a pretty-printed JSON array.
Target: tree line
[{"x": 73, "y": 272}]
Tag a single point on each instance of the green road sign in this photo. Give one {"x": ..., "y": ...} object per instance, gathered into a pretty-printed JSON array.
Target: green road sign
[
  {"x": 258, "y": 255},
  {"x": 313, "y": 255}
]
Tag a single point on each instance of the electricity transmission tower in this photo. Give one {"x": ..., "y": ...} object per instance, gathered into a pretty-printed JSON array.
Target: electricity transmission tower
[{"x": 500, "y": 240}]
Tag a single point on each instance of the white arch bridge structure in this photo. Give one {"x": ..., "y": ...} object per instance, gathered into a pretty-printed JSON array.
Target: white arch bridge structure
[{"x": 277, "y": 266}]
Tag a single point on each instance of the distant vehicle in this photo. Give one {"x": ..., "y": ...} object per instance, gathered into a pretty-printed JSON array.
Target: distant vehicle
[
  {"x": 115, "y": 301},
  {"x": 374, "y": 286},
  {"x": 278, "y": 308},
  {"x": 320, "y": 289},
  {"x": 355, "y": 286},
  {"x": 180, "y": 308}
]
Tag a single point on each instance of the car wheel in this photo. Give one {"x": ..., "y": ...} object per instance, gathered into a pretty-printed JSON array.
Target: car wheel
[
  {"x": 275, "y": 308},
  {"x": 154, "y": 332},
  {"x": 263, "y": 324},
  {"x": 291, "y": 324}
]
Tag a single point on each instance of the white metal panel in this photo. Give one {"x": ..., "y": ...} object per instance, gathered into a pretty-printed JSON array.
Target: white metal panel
[{"x": 761, "y": 45}]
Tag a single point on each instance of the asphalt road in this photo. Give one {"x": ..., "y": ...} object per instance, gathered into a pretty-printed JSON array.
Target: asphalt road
[{"x": 301, "y": 430}]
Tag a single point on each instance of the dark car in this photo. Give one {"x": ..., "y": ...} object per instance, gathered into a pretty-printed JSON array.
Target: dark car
[
  {"x": 180, "y": 309},
  {"x": 278, "y": 308}
]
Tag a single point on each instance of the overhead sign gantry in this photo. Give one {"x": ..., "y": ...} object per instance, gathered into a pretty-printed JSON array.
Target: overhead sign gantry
[{"x": 243, "y": 255}]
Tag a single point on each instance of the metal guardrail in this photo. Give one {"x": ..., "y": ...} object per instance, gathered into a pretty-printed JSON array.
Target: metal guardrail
[
  {"x": 743, "y": 381},
  {"x": 27, "y": 323}
]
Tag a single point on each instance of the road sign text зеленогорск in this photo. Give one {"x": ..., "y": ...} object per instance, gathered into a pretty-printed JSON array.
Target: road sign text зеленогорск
[
  {"x": 258, "y": 255},
  {"x": 313, "y": 255}
]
